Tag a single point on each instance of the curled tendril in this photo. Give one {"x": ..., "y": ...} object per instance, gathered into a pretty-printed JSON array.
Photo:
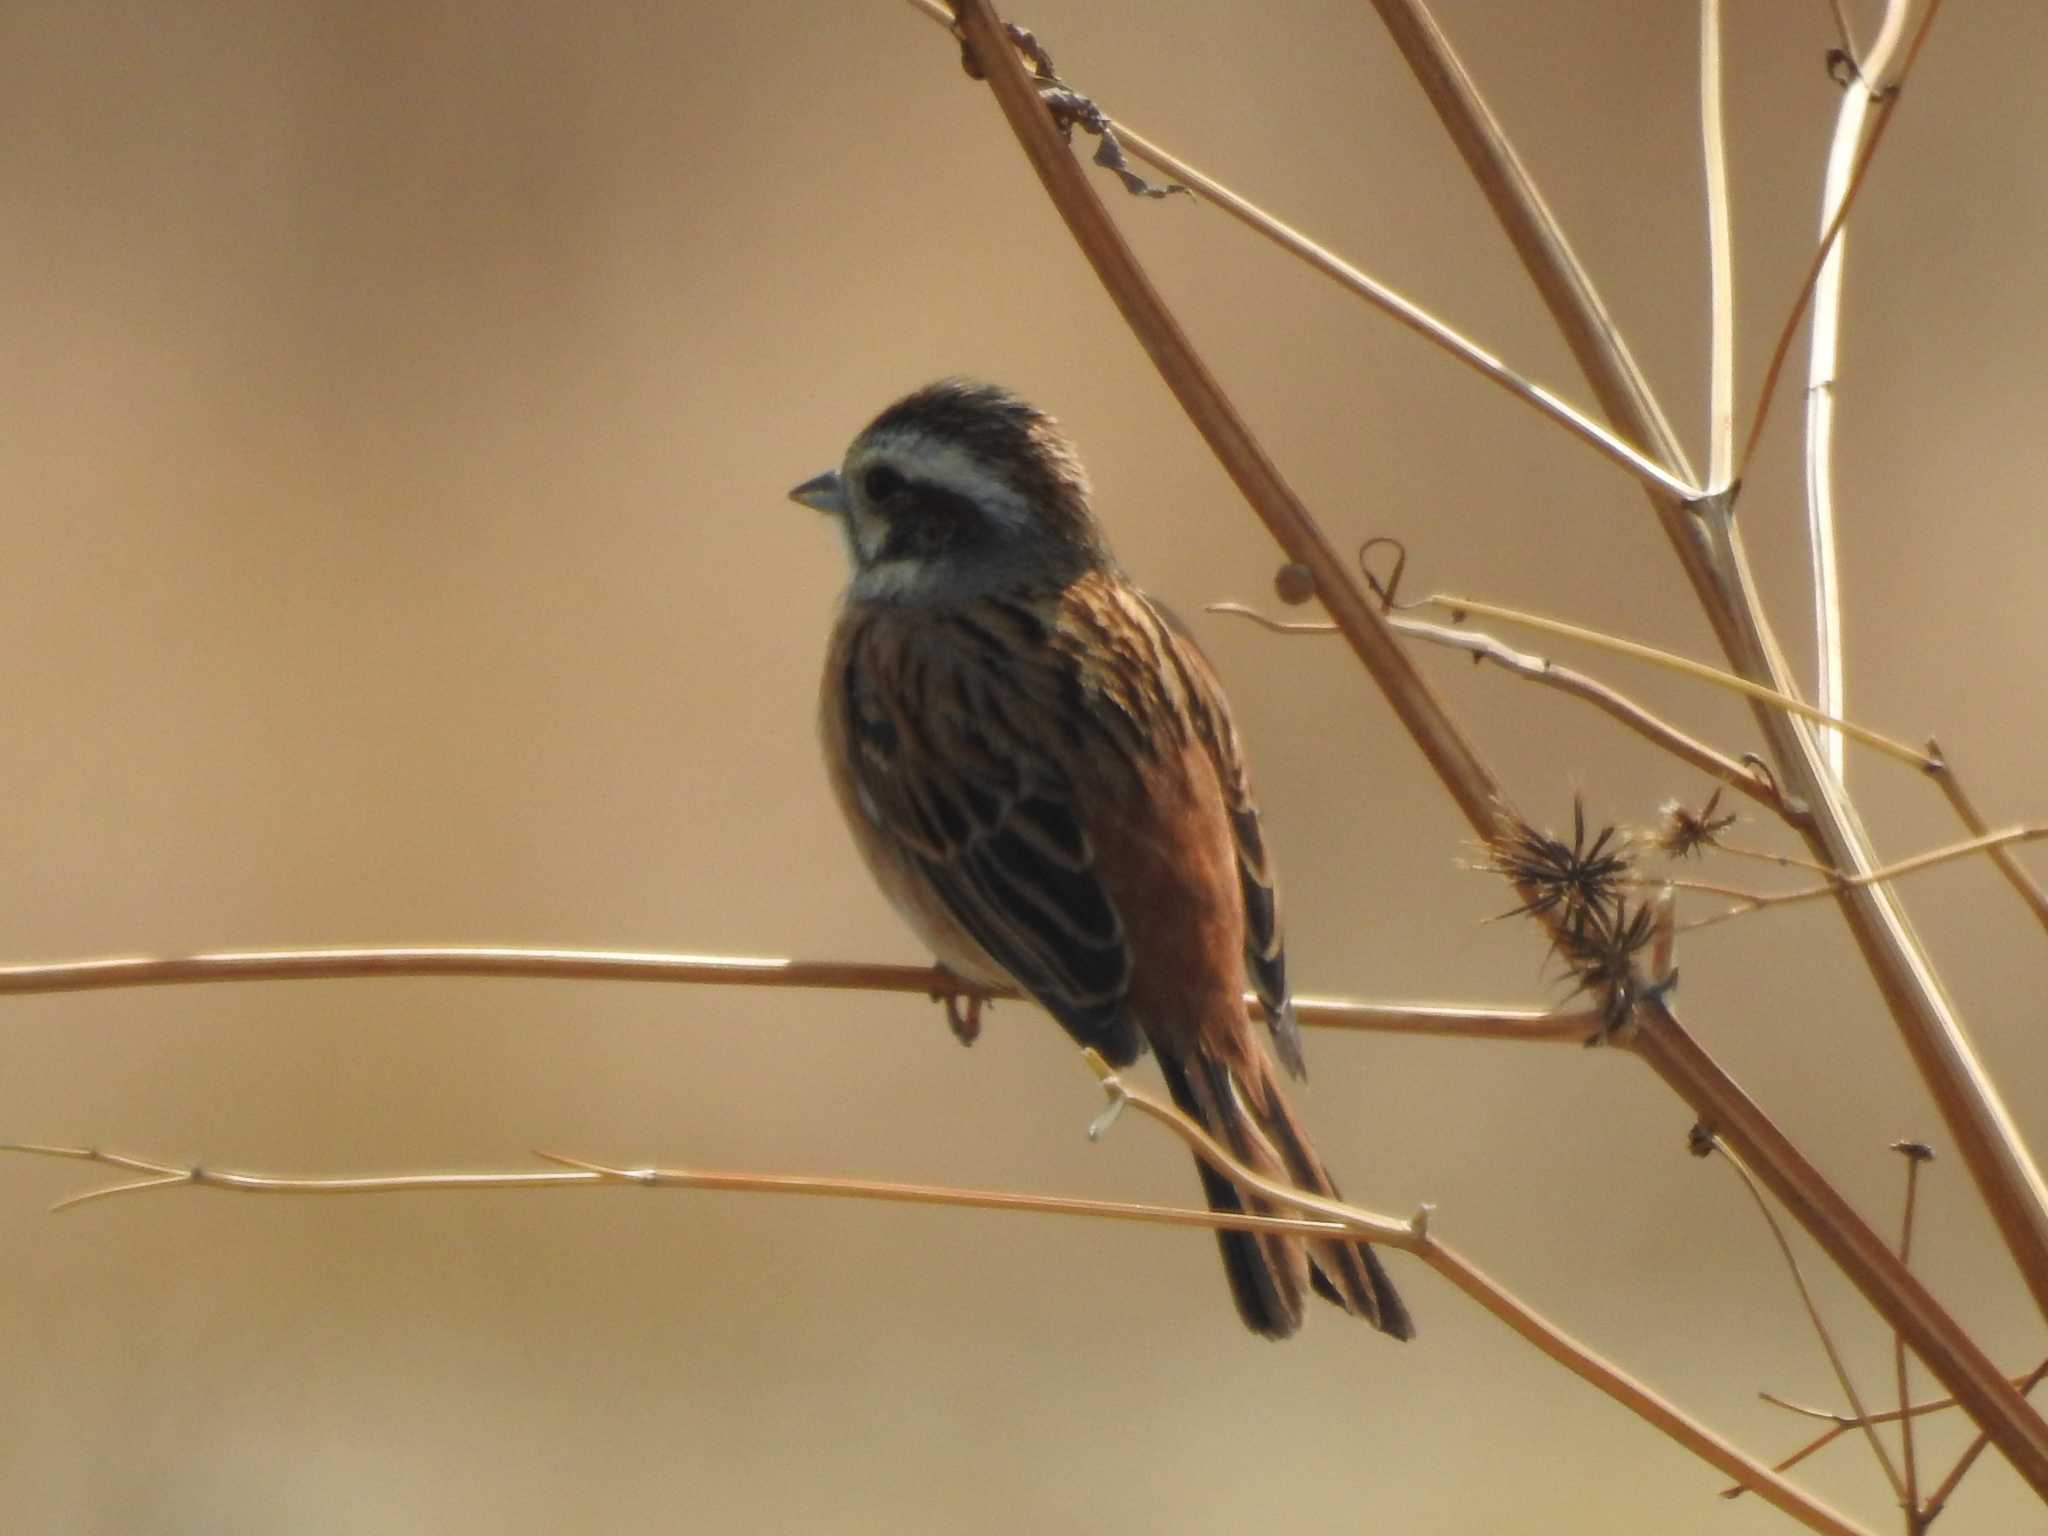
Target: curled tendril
[{"x": 1388, "y": 591}]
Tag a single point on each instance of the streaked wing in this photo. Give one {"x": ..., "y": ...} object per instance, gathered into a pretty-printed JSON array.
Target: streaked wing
[
  {"x": 1265, "y": 953},
  {"x": 942, "y": 768}
]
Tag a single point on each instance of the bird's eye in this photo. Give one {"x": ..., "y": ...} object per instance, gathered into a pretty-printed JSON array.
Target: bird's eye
[{"x": 882, "y": 482}]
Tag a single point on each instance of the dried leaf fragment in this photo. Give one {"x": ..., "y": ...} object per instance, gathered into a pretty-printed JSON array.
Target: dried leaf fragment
[{"x": 1071, "y": 110}]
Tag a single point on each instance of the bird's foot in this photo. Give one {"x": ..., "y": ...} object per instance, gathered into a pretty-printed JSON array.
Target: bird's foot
[{"x": 963, "y": 1007}]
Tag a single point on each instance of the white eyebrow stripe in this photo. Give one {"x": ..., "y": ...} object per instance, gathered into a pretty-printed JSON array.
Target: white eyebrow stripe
[{"x": 948, "y": 466}]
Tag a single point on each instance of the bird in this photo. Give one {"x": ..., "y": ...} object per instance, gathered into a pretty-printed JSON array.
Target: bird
[{"x": 1041, "y": 772}]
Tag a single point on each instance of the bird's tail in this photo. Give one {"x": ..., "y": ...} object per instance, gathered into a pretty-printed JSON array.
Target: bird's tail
[{"x": 1270, "y": 1272}]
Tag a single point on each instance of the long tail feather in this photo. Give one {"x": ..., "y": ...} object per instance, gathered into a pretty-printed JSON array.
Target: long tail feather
[
  {"x": 1269, "y": 1273},
  {"x": 1349, "y": 1274}
]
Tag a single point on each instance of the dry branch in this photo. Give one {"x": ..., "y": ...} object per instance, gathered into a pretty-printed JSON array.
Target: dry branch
[
  {"x": 1317, "y": 1216},
  {"x": 1550, "y": 674},
  {"x": 1947, "y": 1349},
  {"x": 1709, "y": 548},
  {"x": 1437, "y": 1019}
]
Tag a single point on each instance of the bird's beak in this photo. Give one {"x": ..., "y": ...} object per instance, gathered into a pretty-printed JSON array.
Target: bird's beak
[{"x": 822, "y": 493}]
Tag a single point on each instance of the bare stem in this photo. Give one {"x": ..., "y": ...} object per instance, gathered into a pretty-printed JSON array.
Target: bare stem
[
  {"x": 1823, "y": 348},
  {"x": 1589, "y": 331},
  {"x": 1720, "y": 259},
  {"x": 573, "y": 1172},
  {"x": 1710, "y": 551},
  {"x": 2015, "y": 873},
  {"x": 1575, "y": 1357},
  {"x": 1766, "y": 856},
  {"x": 1415, "y": 704},
  {"x": 1672, "y": 662},
  {"x": 1544, "y": 671},
  {"x": 1938, "y": 1499},
  {"x": 1882, "y": 99},
  {"x": 1386, "y": 299},
  {"x": 1848, "y": 41},
  {"x": 718, "y": 970},
  {"x": 1755, "y": 901},
  {"x": 1820, "y": 1327},
  {"x": 1840, "y": 1424},
  {"x": 1915, "y": 1154}
]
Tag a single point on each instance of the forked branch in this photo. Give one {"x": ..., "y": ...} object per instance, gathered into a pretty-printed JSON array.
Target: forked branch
[
  {"x": 1709, "y": 548},
  {"x": 1949, "y": 1351},
  {"x": 1317, "y": 1217}
]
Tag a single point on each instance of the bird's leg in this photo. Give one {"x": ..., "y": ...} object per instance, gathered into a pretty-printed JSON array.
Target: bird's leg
[{"x": 963, "y": 1005}]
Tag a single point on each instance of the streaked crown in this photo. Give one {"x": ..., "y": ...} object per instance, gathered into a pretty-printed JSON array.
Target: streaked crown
[{"x": 958, "y": 489}]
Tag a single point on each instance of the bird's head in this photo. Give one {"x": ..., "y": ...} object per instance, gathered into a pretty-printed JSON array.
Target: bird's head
[{"x": 957, "y": 490}]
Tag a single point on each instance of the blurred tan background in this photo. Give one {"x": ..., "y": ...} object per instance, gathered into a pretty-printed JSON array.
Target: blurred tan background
[{"x": 396, "y": 406}]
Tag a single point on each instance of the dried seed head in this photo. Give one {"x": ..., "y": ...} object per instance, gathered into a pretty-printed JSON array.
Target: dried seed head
[
  {"x": 1601, "y": 947},
  {"x": 1682, "y": 832},
  {"x": 1574, "y": 879}
]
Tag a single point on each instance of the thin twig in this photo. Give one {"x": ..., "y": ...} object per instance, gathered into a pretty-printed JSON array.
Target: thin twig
[
  {"x": 1943, "y": 774},
  {"x": 1823, "y": 349},
  {"x": 1615, "y": 449},
  {"x": 1541, "y": 669},
  {"x": 1528, "y": 1024},
  {"x": 717, "y": 970},
  {"x": 1820, "y": 1327},
  {"x": 1416, "y": 1238},
  {"x": 1755, "y": 901},
  {"x": 1839, "y": 1420},
  {"x": 1938, "y": 1499},
  {"x": 1392, "y": 303},
  {"x": 1223, "y": 428},
  {"x": 1539, "y": 240},
  {"x": 1766, "y": 856},
  {"x": 1720, "y": 260},
  {"x": 1848, "y": 40},
  {"x": 575, "y": 1172},
  {"x": 1318, "y": 1217},
  {"x": 1915, "y": 1154},
  {"x": 1671, "y": 661},
  {"x": 1840, "y": 1424},
  {"x": 1884, "y": 99}
]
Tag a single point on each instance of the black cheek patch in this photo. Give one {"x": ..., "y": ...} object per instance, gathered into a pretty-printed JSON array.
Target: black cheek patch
[{"x": 927, "y": 519}]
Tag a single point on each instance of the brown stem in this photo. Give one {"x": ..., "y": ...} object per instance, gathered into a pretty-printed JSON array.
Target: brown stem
[
  {"x": 572, "y": 1172},
  {"x": 1841, "y": 1424},
  {"x": 1897, "y": 1295},
  {"x": 1436, "y": 1019},
  {"x": 1754, "y": 901},
  {"x": 1549, "y": 674},
  {"x": 1940, "y": 1497},
  {"x": 1886, "y": 99},
  {"x": 1813, "y": 1315},
  {"x": 2008, "y": 863},
  {"x": 1534, "y": 1328},
  {"x": 1909, "y": 1496},
  {"x": 1709, "y": 548},
  {"x": 1421, "y": 713}
]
